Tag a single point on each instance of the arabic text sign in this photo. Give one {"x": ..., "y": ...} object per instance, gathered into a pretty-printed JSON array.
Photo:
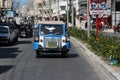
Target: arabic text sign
[{"x": 98, "y": 6}]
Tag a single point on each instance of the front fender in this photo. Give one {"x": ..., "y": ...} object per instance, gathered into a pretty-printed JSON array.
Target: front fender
[
  {"x": 68, "y": 45},
  {"x": 36, "y": 45}
]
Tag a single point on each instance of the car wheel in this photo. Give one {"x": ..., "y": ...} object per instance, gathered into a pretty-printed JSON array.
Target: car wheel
[
  {"x": 37, "y": 54},
  {"x": 64, "y": 53},
  {"x": 9, "y": 42},
  {"x": 16, "y": 39}
]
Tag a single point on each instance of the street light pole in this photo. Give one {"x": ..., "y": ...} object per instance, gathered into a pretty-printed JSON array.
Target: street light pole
[
  {"x": 58, "y": 11},
  {"x": 72, "y": 13},
  {"x": 67, "y": 14},
  {"x": 115, "y": 10},
  {"x": 88, "y": 19}
]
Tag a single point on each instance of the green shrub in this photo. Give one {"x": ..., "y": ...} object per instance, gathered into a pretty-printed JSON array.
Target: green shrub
[{"x": 104, "y": 46}]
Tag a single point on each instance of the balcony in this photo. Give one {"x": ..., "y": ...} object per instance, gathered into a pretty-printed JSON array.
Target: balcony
[
  {"x": 62, "y": 12},
  {"x": 82, "y": 7},
  {"x": 83, "y": 11},
  {"x": 82, "y": 2},
  {"x": 39, "y": 6},
  {"x": 63, "y": 8}
]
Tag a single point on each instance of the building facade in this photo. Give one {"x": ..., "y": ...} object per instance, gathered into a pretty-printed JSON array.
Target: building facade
[
  {"x": 5, "y": 5},
  {"x": 115, "y": 12},
  {"x": 81, "y": 16},
  {"x": 8, "y": 4},
  {"x": 81, "y": 13}
]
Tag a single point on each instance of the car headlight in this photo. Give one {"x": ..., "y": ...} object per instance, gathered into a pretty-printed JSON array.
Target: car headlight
[{"x": 64, "y": 40}]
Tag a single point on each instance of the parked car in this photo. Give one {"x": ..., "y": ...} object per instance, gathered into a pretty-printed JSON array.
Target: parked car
[
  {"x": 15, "y": 29},
  {"x": 22, "y": 30},
  {"x": 8, "y": 33},
  {"x": 50, "y": 37}
]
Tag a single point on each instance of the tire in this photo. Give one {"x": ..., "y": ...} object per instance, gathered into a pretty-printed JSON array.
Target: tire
[
  {"x": 64, "y": 53},
  {"x": 9, "y": 42},
  {"x": 37, "y": 54},
  {"x": 16, "y": 39}
]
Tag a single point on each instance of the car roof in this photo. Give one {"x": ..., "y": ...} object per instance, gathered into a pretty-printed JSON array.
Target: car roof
[{"x": 51, "y": 22}]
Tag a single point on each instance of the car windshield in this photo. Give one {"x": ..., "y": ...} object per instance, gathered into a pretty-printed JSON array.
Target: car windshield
[
  {"x": 57, "y": 30},
  {"x": 3, "y": 30}
]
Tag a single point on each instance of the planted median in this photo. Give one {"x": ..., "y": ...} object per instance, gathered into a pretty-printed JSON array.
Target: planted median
[{"x": 106, "y": 46}]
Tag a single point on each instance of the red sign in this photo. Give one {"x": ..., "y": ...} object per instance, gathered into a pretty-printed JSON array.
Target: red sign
[{"x": 98, "y": 6}]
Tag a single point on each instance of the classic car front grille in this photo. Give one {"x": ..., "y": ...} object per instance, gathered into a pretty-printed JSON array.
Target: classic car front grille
[{"x": 52, "y": 42}]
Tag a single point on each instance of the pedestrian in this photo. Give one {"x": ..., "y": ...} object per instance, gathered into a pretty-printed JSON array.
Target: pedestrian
[{"x": 101, "y": 25}]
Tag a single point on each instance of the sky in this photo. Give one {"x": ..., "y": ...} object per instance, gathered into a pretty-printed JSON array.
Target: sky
[{"x": 22, "y": 2}]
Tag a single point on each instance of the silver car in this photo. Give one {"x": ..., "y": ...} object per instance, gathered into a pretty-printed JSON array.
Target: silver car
[{"x": 7, "y": 34}]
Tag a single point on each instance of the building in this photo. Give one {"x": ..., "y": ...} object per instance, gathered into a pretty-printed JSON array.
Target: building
[
  {"x": 81, "y": 13},
  {"x": 59, "y": 9},
  {"x": 8, "y": 4},
  {"x": 115, "y": 12},
  {"x": 52, "y": 9},
  {"x": 5, "y": 5}
]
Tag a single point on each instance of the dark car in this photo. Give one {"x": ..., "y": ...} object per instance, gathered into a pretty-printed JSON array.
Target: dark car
[
  {"x": 25, "y": 30},
  {"x": 21, "y": 30}
]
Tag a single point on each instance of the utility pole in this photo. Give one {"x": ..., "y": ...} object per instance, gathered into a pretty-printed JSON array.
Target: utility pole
[
  {"x": 72, "y": 12},
  {"x": 50, "y": 11},
  {"x": 88, "y": 18},
  {"x": 115, "y": 11},
  {"x": 67, "y": 14},
  {"x": 58, "y": 10}
]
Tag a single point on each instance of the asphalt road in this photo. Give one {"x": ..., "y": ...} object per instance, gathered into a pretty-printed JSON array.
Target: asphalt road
[{"x": 18, "y": 62}]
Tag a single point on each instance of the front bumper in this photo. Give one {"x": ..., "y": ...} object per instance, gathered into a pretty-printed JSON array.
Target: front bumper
[
  {"x": 4, "y": 40},
  {"x": 42, "y": 49}
]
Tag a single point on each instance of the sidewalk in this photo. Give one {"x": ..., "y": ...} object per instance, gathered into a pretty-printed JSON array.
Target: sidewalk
[
  {"x": 113, "y": 71},
  {"x": 109, "y": 30}
]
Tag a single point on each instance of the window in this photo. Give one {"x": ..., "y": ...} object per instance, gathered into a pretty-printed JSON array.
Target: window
[
  {"x": 62, "y": 7},
  {"x": 57, "y": 30}
]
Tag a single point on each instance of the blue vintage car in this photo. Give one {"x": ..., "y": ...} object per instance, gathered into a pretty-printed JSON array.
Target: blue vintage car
[{"x": 51, "y": 37}]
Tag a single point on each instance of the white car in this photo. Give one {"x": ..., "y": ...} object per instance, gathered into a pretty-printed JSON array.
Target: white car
[{"x": 7, "y": 34}]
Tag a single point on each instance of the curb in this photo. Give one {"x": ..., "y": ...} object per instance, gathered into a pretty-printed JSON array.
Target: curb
[{"x": 107, "y": 68}]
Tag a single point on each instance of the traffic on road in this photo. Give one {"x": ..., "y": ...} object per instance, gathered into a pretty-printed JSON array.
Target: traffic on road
[
  {"x": 35, "y": 43},
  {"x": 18, "y": 62}
]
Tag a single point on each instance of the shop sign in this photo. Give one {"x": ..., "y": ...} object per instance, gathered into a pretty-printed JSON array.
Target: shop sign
[{"x": 98, "y": 6}]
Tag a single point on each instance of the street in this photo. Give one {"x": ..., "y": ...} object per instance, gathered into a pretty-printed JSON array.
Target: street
[{"x": 18, "y": 62}]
